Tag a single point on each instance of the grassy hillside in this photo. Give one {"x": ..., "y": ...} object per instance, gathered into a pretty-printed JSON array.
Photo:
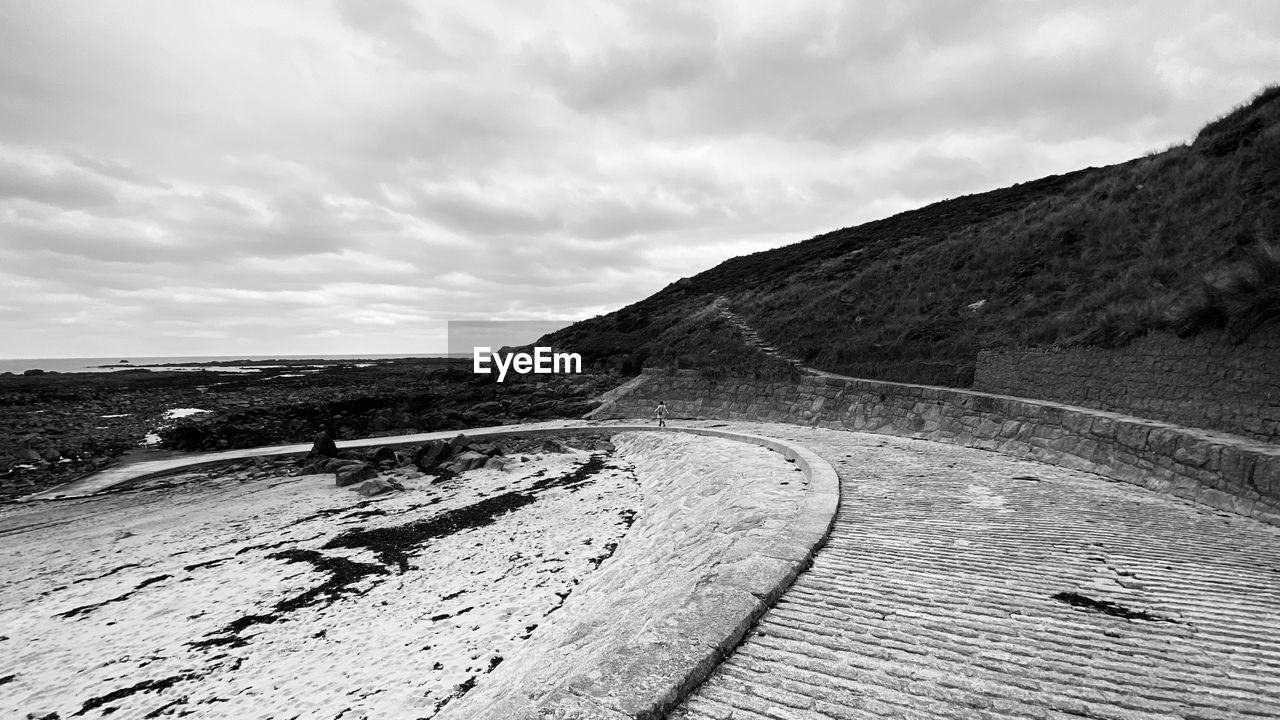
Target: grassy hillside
[{"x": 1175, "y": 240}]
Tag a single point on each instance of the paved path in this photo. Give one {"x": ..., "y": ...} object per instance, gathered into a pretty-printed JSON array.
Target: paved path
[{"x": 935, "y": 598}]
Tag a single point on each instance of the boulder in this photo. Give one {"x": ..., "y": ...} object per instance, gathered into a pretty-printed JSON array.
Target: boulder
[
  {"x": 378, "y": 486},
  {"x": 324, "y": 445},
  {"x": 473, "y": 459},
  {"x": 431, "y": 454},
  {"x": 489, "y": 449},
  {"x": 313, "y": 466},
  {"x": 334, "y": 464},
  {"x": 385, "y": 455},
  {"x": 184, "y": 437},
  {"x": 466, "y": 461},
  {"x": 552, "y": 445},
  {"x": 352, "y": 474},
  {"x": 351, "y": 455},
  {"x": 496, "y": 463},
  {"x": 458, "y": 444}
]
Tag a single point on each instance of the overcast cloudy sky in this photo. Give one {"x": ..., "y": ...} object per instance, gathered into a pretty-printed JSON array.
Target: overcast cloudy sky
[{"x": 189, "y": 177}]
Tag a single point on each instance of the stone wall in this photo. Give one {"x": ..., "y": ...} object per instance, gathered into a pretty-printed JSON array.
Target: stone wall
[
  {"x": 1231, "y": 474},
  {"x": 1203, "y": 381}
]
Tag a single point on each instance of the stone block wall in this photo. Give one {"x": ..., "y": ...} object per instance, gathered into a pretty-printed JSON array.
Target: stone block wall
[
  {"x": 1204, "y": 381},
  {"x": 1232, "y": 474}
]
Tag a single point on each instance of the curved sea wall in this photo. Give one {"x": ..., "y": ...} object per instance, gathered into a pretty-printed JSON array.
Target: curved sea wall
[{"x": 1235, "y": 474}]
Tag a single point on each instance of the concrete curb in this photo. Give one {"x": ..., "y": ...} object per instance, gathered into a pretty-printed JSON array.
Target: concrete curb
[{"x": 720, "y": 609}]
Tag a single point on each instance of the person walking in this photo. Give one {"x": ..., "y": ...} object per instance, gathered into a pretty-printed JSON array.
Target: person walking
[{"x": 661, "y": 413}]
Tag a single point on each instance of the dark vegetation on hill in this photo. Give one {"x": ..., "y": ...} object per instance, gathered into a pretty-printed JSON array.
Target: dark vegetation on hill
[{"x": 1177, "y": 240}]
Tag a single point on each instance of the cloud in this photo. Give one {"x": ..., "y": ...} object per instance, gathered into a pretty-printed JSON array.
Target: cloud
[
  {"x": 45, "y": 180},
  {"x": 186, "y": 177},
  {"x": 656, "y": 48},
  {"x": 473, "y": 210}
]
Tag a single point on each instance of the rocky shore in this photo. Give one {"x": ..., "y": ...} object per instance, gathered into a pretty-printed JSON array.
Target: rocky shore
[{"x": 55, "y": 427}]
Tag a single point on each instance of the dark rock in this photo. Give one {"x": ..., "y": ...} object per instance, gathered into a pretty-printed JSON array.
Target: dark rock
[
  {"x": 324, "y": 445},
  {"x": 334, "y": 464},
  {"x": 543, "y": 408},
  {"x": 458, "y": 444},
  {"x": 352, "y": 474},
  {"x": 27, "y": 454},
  {"x": 184, "y": 437},
  {"x": 552, "y": 445},
  {"x": 351, "y": 455},
  {"x": 33, "y": 371},
  {"x": 431, "y": 454},
  {"x": 378, "y": 486},
  {"x": 469, "y": 460},
  {"x": 385, "y": 455},
  {"x": 489, "y": 449},
  {"x": 491, "y": 407}
]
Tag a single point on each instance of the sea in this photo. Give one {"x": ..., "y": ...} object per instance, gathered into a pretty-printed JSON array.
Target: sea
[{"x": 191, "y": 362}]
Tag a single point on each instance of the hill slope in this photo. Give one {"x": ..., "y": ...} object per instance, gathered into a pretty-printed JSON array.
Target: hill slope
[{"x": 1097, "y": 256}]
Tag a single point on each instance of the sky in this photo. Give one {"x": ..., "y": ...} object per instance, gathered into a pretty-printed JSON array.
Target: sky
[{"x": 253, "y": 177}]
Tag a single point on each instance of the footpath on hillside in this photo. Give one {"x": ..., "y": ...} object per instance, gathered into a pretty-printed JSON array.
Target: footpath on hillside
[{"x": 752, "y": 338}]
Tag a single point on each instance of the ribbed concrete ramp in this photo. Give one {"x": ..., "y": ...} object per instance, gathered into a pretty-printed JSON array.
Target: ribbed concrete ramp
[{"x": 965, "y": 584}]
